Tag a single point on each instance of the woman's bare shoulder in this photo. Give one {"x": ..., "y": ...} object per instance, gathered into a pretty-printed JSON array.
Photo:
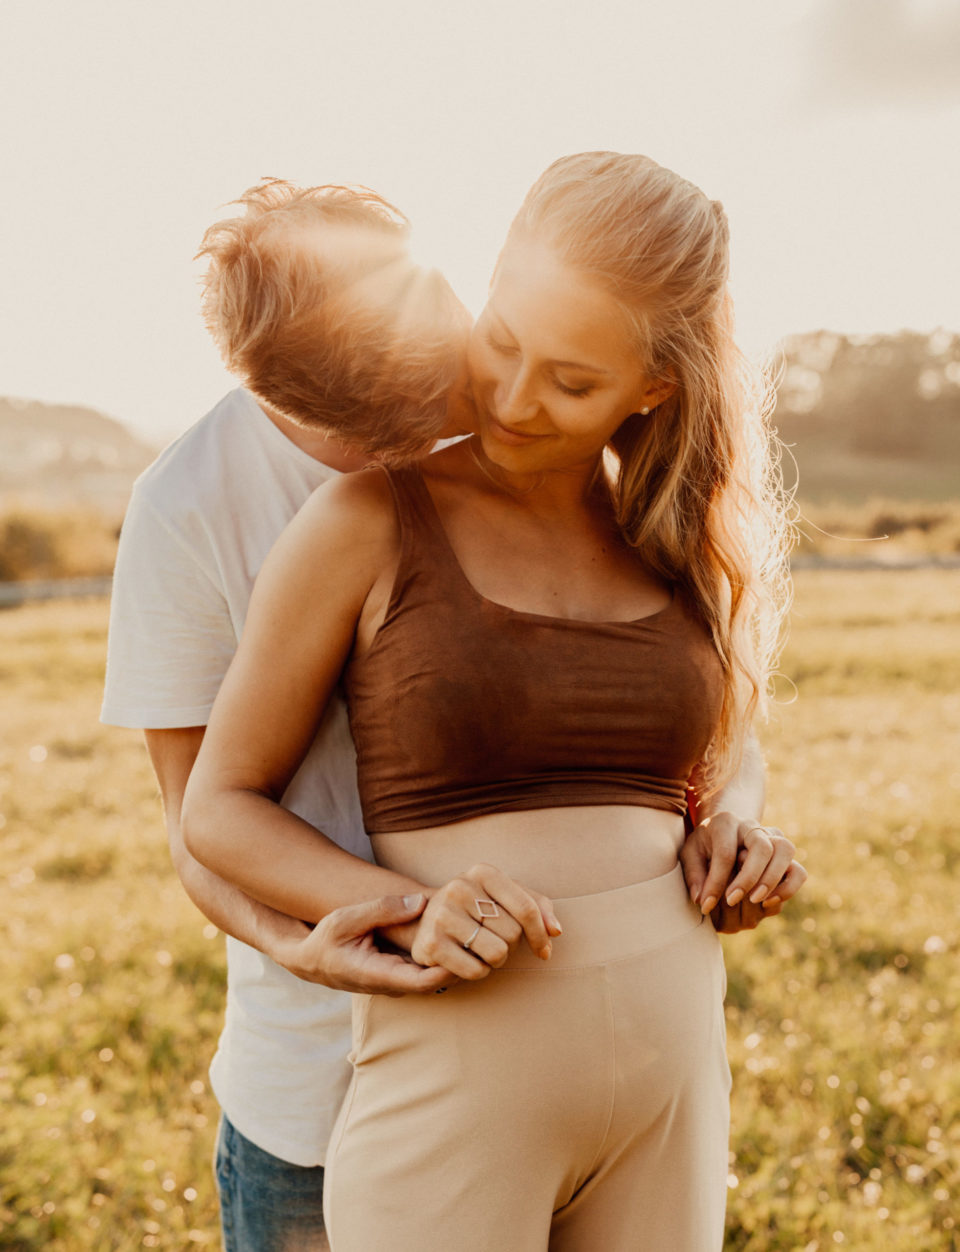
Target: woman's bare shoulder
[
  {"x": 355, "y": 511},
  {"x": 336, "y": 547}
]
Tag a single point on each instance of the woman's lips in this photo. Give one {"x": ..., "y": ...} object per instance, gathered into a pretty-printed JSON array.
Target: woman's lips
[{"x": 504, "y": 434}]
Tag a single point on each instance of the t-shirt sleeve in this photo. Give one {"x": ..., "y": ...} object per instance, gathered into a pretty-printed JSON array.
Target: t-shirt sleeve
[{"x": 171, "y": 634}]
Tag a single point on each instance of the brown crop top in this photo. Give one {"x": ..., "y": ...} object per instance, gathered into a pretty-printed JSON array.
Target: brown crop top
[{"x": 463, "y": 706}]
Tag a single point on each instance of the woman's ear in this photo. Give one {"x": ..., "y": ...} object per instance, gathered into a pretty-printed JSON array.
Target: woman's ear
[{"x": 656, "y": 391}]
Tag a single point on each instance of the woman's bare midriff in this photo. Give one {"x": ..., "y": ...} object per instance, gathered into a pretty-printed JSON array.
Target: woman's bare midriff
[{"x": 559, "y": 852}]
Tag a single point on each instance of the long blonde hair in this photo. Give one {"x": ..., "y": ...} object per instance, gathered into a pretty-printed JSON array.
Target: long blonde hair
[{"x": 695, "y": 484}]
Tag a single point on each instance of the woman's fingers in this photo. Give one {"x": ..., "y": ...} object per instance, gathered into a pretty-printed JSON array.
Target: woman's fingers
[
  {"x": 447, "y": 936},
  {"x": 788, "y": 886},
  {"x": 470, "y": 925},
  {"x": 504, "y": 927},
  {"x": 768, "y": 853},
  {"x": 532, "y": 911},
  {"x": 486, "y": 944},
  {"x": 547, "y": 912},
  {"x": 708, "y": 857},
  {"x": 776, "y": 867}
]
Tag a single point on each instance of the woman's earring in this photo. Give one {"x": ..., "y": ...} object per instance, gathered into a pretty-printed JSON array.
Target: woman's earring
[{"x": 645, "y": 410}]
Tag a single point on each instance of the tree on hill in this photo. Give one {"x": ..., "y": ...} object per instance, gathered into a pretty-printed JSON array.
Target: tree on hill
[{"x": 882, "y": 395}]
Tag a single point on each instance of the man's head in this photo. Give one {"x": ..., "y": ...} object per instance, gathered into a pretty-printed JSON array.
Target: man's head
[{"x": 317, "y": 307}]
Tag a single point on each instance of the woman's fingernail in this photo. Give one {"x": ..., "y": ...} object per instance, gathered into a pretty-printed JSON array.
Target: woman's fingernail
[
  {"x": 758, "y": 894},
  {"x": 735, "y": 896},
  {"x": 413, "y": 902},
  {"x": 709, "y": 904},
  {"x": 545, "y": 952},
  {"x": 770, "y": 901}
]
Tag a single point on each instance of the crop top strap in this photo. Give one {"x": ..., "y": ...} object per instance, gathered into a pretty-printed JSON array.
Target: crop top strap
[{"x": 423, "y": 541}]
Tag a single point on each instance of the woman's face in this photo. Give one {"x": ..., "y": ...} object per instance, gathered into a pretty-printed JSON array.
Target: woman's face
[{"x": 554, "y": 367}]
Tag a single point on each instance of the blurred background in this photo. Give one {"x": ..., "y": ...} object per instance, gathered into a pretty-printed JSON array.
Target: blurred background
[{"x": 830, "y": 129}]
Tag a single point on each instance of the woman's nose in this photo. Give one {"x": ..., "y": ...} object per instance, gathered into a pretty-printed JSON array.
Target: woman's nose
[{"x": 515, "y": 397}]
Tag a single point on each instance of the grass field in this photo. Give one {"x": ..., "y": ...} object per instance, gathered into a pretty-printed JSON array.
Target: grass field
[{"x": 842, "y": 1013}]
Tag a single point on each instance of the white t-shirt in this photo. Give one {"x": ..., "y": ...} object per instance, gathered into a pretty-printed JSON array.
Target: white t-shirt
[{"x": 201, "y": 521}]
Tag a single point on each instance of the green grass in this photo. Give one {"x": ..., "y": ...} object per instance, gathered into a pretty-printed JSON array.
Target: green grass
[
  {"x": 841, "y": 1013},
  {"x": 879, "y": 529},
  {"x": 846, "y": 1105}
]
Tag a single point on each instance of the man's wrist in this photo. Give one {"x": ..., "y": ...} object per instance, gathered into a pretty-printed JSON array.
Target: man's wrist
[{"x": 280, "y": 937}]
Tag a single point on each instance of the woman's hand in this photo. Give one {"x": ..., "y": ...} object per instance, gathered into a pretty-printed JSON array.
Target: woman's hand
[
  {"x": 739, "y": 870},
  {"x": 342, "y": 952},
  {"x": 460, "y": 931}
]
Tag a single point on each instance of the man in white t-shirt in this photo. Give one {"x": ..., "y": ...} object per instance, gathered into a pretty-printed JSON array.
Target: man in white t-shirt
[{"x": 352, "y": 350}]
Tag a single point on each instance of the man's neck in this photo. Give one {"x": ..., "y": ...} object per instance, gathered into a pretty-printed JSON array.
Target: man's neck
[{"x": 316, "y": 444}]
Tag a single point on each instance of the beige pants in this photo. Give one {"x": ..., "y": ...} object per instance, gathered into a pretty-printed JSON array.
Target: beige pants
[{"x": 579, "y": 1105}]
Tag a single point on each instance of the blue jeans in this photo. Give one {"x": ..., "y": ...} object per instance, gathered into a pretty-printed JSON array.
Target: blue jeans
[{"x": 266, "y": 1205}]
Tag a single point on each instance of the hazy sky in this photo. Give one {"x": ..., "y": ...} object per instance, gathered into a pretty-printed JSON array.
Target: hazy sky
[{"x": 830, "y": 129}]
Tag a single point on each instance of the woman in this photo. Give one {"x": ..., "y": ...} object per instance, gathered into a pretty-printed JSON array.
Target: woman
[{"x": 544, "y": 634}]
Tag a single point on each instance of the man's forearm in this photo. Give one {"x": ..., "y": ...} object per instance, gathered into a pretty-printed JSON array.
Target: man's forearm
[
  {"x": 339, "y": 953},
  {"x": 230, "y": 909},
  {"x": 172, "y": 754}
]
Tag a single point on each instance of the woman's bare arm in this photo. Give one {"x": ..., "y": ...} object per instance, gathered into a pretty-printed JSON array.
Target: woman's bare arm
[{"x": 299, "y": 631}]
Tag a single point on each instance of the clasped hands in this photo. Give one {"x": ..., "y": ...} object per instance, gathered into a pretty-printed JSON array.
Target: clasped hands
[{"x": 739, "y": 872}]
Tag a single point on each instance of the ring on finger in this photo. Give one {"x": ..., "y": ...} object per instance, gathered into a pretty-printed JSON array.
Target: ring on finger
[
  {"x": 468, "y": 942},
  {"x": 486, "y": 908}
]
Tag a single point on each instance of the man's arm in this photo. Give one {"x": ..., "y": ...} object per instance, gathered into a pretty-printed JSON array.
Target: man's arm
[
  {"x": 339, "y": 953},
  {"x": 736, "y": 869}
]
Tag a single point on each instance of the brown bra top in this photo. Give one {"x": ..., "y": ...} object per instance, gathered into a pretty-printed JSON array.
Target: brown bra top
[{"x": 463, "y": 706}]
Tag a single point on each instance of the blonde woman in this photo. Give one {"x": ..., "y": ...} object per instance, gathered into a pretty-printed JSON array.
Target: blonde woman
[{"x": 545, "y": 632}]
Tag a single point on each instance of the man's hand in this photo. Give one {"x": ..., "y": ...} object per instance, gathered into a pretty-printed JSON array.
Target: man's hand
[
  {"x": 739, "y": 871},
  {"x": 341, "y": 951}
]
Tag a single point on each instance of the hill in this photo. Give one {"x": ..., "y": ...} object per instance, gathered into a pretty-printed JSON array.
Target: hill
[{"x": 62, "y": 456}]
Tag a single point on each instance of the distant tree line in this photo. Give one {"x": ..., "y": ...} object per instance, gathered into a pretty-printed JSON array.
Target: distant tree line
[{"x": 879, "y": 395}]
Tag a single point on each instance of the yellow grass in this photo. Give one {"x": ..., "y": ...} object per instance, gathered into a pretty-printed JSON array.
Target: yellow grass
[{"x": 841, "y": 1013}]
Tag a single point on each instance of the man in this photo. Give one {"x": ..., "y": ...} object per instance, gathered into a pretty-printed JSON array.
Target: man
[
  {"x": 312, "y": 294},
  {"x": 346, "y": 349}
]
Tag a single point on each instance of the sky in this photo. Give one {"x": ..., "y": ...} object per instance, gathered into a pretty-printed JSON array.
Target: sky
[{"x": 830, "y": 129}]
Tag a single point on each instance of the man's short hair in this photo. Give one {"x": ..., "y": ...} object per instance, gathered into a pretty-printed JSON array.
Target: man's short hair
[{"x": 318, "y": 309}]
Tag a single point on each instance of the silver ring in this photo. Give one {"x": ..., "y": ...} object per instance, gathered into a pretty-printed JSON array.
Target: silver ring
[
  {"x": 468, "y": 942},
  {"x": 486, "y": 908}
]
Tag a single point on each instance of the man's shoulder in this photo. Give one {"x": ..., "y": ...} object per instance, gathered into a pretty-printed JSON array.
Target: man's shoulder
[{"x": 191, "y": 469}]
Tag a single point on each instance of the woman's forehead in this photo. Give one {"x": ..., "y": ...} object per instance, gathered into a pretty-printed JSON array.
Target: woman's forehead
[{"x": 556, "y": 308}]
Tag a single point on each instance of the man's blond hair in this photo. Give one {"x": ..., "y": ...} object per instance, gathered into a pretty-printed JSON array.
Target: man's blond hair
[{"x": 283, "y": 298}]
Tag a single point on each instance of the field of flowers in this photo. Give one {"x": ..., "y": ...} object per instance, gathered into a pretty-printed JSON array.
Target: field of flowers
[{"x": 842, "y": 1013}]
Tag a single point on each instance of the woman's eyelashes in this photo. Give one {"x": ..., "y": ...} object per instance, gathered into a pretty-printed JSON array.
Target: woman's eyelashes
[
  {"x": 506, "y": 349},
  {"x": 576, "y": 392}
]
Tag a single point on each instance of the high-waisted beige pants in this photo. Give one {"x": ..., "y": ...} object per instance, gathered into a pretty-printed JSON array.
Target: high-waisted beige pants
[{"x": 575, "y": 1105}]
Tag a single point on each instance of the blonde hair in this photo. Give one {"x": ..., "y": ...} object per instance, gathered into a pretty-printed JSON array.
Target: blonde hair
[
  {"x": 696, "y": 483},
  {"x": 280, "y": 298}
]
